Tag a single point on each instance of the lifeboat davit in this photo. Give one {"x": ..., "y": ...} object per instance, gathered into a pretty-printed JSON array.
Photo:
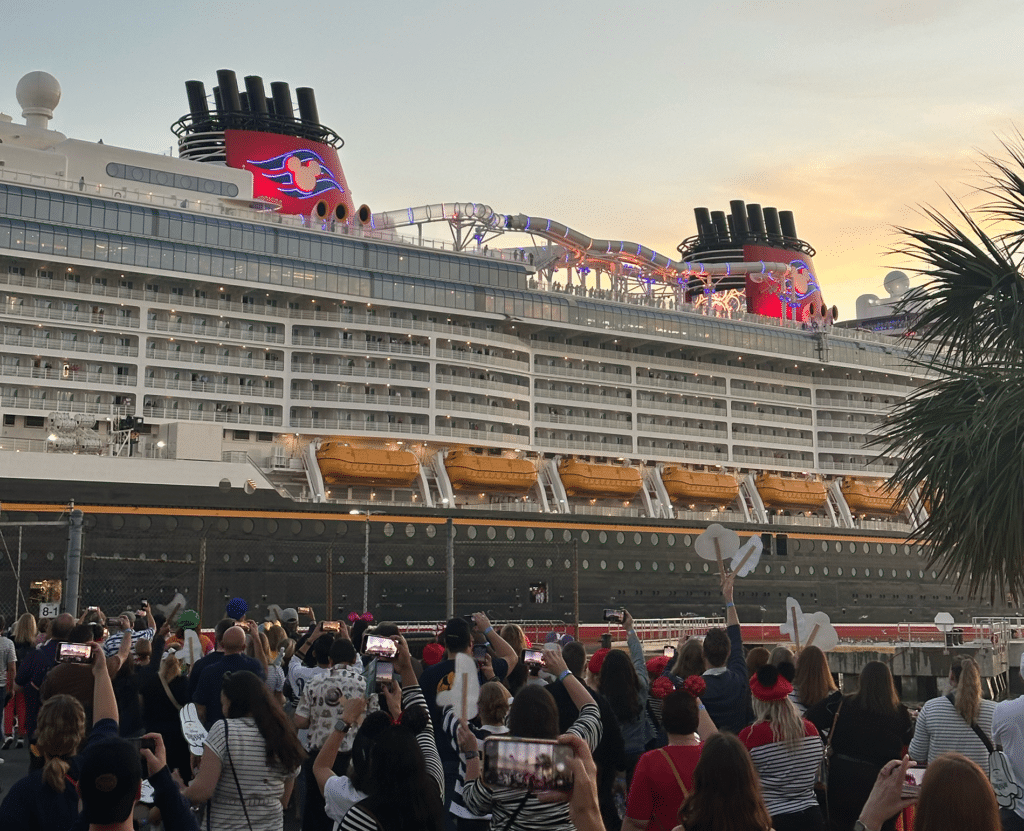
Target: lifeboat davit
[
  {"x": 585, "y": 479},
  {"x": 797, "y": 494},
  {"x": 492, "y": 474},
  {"x": 344, "y": 465},
  {"x": 699, "y": 486},
  {"x": 871, "y": 496}
]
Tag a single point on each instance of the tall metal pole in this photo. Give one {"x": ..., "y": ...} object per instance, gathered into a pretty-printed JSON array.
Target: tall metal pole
[
  {"x": 202, "y": 575},
  {"x": 17, "y": 578},
  {"x": 449, "y": 572},
  {"x": 366, "y": 566},
  {"x": 576, "y": 589},
  {"x": 73, "y": 579}
]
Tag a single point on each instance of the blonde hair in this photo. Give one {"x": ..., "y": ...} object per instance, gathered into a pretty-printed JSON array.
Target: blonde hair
[
  {"x": 690, "y": 659},
  {"x": 786, "y": 722},
  {"x": 170, "y": 667},
  {"x": 781, "y": 655},
  {"x": 493, "y": 703},
  {"x": 60, "y": 730},
  {"x": 514, "y": 636},
  {"x": 968, "y": 688},
  {"x": 275, "y": 635},
  {"x": 25, "y": 630}
]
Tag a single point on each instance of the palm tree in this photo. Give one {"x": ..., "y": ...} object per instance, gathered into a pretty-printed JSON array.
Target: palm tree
[{"x": 961, "y": 434}]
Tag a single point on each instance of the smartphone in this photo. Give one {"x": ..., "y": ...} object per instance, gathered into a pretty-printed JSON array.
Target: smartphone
[
  {"x": 669, "y": 652},
  {"x": 330, "y": 626},
  {"x": 480, "y": 653},
  {"x": 533, "y": 656},
  {"x": 385, "y": 673},
  {"x": 113, "y": 623},
  {"x": 75, "y": 653},
  {"x": 912, "y": 787},
  {"x": 613, "y": 615},
  {"x": 533, "y": 764},
  {"x": 305, "y": 610},
  {"x": 370, "y": 674},
  {"x": 379, "y": 646},
  {"x": 141, "y": 743}
]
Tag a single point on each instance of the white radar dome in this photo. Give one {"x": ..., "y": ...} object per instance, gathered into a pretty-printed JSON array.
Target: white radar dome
[
  {"x": 39, "y": 94},
  {"x": 896, "y": 283}
]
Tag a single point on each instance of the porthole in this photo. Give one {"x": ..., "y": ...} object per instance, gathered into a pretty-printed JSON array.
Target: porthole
[
  {"x": 510, "y": 534},
  {"x": 671, "y": 540},
  {"x": 271, "y": 526},
  {"x": 529, "y": 534},
  {"x": 621, "y": 565},
  {"x": 471, "y": 562},
  {"x": 906, "y": 550},
  {"x": 387, "y": 559},
  {"x": 511, "y": 563},
  {"x": 430, "y": 531},
  {"x": 295, "y": 558},
  {"x": 706, "y": 569},
  {"x": 839, "y": 571},
  {"x": 934, "y": 575},
  {"x": 767, "y": 569},
  {"x": 491, "y": 533},
  {"x": 620, "y": 538},
  {"x": 824, "y": 546},
  {"x": 248, "y": 526},
  {"x": 584, "y": 536},
  {"x": 227, "y": 557},
  {"x": 585, "y": 564},
  {"x": 671, "y": 566},
  {"x": 881, "y": 572},
  {"x": 490, "y": 562},
  {"x": 839, "y": 548},
  {"x": 389, "y": 529},
  {"x": 410, "y": 530},
  {"x": 794, "y": 545},
  {"x": 222, "y": 524},
  {"x": 824, "y": 570},
  {"x": 879, "y": 548},
  {"x": 549, "y": 535},
  {"x": 567, "y": 536},
  {"x": 604, "y": 565},
  {"x": 687, "y": 566},
  {"x": 430, "y": 561},
  {"x": 910, "y": 574},
  {"x": 145, "y": 522},
  {"x": 296, "y": 527},
  {"x": 602, "y": 537},
  {"x": 853, "y": 572},
  {"x": 796, "y": 569},
  {"x": 319, "y": 527},
  {"x": 270, "y": 558},
  {"x": 172, "y": 523},
  {"x": 892, "y": 548},
  {"x": 894, "y": 573},
  {"x": 782, "y": 569},
  {"x": 687, "y": 540},
  {"x": 245, "y": 558},
  {"x": 567, "y": 563},
  {"x": 920, "y": 575},
  {"x": 547, "y": 563},
  {"x": 654, "y": 566},
  {"x": 409, "y": 560},
  {"x": 529, "y": 562},
  {"x": 341, "y": 559},
  {"x": 638, "y": 539},
  {"x": 471, "y": 532},
  {"x": 864, "y": 548},
  {"x": 638, "y": 566},
  {"x": 810, "y": 570}
]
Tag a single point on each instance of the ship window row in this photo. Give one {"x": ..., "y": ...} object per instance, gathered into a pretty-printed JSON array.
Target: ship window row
[{"x": 71, "y": 210}]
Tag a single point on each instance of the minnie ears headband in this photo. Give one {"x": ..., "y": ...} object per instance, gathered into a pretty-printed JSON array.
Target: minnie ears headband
[{"x": 354, "y": 616}]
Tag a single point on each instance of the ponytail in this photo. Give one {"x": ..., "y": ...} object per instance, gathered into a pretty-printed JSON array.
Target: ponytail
[
  {"x": 968, "y": 689},
  {"x": 54, "y": 772}
]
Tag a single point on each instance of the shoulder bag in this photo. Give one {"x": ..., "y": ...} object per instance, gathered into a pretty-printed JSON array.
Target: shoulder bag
[
  {"x": 238, "y": 787},
  {"x": 1000, "y": 774},
  {"x": 679, "y": 779}
]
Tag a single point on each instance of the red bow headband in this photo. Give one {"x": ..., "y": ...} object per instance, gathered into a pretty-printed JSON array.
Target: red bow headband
[{"x": 354, "y": 616}]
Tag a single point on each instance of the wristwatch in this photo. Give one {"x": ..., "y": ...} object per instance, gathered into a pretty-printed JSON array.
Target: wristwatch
[
  {"x": 342, "y": 726},
  {"x": 860, "y": 826},
  {"x": 471, "y": 754}
]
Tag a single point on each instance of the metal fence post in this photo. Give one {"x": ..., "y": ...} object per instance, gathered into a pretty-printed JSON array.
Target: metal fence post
[
  {"x": 576, "y": 589},
  {"x": 201, "y": 588},
  {"x": 74, "y": 566},
  {"x": 449, "y": 571}
]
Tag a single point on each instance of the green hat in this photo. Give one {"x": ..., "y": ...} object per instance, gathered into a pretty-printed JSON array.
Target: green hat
[{"x": 188, "y": 619}]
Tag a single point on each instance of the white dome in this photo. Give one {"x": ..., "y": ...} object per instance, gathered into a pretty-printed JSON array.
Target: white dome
[
  {"x": 896, "y": 283},
  {"x": 38, "y": 93}
]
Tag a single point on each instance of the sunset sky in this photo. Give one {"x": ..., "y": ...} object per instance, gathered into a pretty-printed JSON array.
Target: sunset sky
[{"x": 614, "y": 118}]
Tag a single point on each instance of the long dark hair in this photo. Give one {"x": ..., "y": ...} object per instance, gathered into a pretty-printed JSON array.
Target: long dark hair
[
  {"x": 533, "y": 714},
  {"x": 373, "y": 725},
  {"x": 401, "y": 794},
  {"x": 248, "y": 696},
  {"x": 877, "y": 691},
  {"x": 620, "y": 684},
  {"x": 726, "y": 793}
]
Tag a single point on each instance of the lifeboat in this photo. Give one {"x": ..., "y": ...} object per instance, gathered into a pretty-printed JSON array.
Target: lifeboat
[
  {"x": 698, "y": 486},
  {"x": 791, "y": 494},
  {"x": 871, "y": 496},
  {"x": 495, "y": 474},
  {"x": 344, "y": 465},
  {"x": 585, "y": 479}
]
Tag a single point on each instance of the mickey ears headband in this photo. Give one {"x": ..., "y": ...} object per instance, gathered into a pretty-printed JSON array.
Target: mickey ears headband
[{"x": 354, "y": 616}]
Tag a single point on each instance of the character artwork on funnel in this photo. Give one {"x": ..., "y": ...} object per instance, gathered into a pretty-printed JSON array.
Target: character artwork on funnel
[{"x": 299, "y": 173}]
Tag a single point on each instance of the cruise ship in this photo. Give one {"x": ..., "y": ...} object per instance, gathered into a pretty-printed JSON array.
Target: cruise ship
[{"x": 252, "y": 384}]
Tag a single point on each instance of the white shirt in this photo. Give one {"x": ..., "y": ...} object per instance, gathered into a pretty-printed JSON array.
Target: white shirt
[{"x": 1008, "y": 730}]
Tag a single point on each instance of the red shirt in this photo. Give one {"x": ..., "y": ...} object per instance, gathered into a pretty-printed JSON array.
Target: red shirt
[{"x": 655, "y": 792}]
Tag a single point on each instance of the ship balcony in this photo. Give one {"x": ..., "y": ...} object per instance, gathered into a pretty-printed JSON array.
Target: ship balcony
[
  {"x": 795, "y": 399},
  {"x": 611, "y": 446},
  {"x": 759, "y": 438},
  {"x": 857, "y": 465},
  {"x": 681, "y": 407},
  {"x": 853, "y": 446},
  {"x": 875, "y": 387},
  {"x": 214, "y": 388},
  {"x": 772, "y": 459},
  {"x": 860, "y": 423},
  {"x": 215, "y": 333},
  {"x": 68, "y": 404},
  {"x": 622, "y": 424},
  {"x": 335, "y": 369},
  {"x": 612, "y": 379},
  {"x": 404, "y": 324},
  {"x": 827, "y": 403},
  {"x": 569, "y": 395},
  {"x": 682, "y": 431},
  {"x": 502, "y": 437},
  {"x": 222, "y": 416},
  {"x": 73, "y": 374},
  {"x": 359, "y": 346},
  {"x": 266, "y": 362},
  {"x": 63, "y": 283},
  {"x": 354, "y": 427},
  {"x": 339, "y": 396},
  {"x": 112, "y": 318},
  {"x": 695, "y": 386},
  {"x": 33, "y": 344},
  {"x": 494, "y": 410},
  {"x": 468, "y": 356},
  {"x": 776, "y": 418},
  {"x": 676, "y": 451},
  {"x": 445, "y": 381}
]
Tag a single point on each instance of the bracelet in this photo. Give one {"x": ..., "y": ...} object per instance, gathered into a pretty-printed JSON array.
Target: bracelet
[
  {"x": 469, "y": 755},
  {"x": 701, "y": 707},
  {"x": 563, "y": 673},
  {"x": 729, "y": 605},
  {"x": 488, "y": 630}
]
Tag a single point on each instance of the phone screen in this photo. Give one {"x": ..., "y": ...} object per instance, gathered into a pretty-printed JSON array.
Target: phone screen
[
  {"x": 379, "y": 646},
  {"x": 669, "y": 652},
  {"x": 912, "y": 785},
  {"x": 533, "y": 656},
  {"x": 480, "y": 653},
  {"x": 330, "y": 626},
  {"x": 75, "y": 653},
  {"x": 533, "y": 764},
  {"x": 385, "y": 672},
  {"x": 370, "y": 673},
  {"x": 613, "y": 615}
]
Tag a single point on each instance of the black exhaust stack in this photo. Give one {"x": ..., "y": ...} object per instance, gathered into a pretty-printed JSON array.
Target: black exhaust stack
[
  {"x": 282, "y": 99},
  {"x": 705, "y": 230},
  {"x": 256, "y": 93},
  {"x": 230, "y": 101},
  {"x": 721, "y": 226},
  {"x": 788, "y": 227},
  {"x": 756, "y": 221},
  {"x": 307, "y": 105},
  {"x": 740, "y": 229},
  {"x": 771, "y": 222}
]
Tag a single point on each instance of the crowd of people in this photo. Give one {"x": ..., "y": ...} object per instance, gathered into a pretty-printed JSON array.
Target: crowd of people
[{"x": 142, "y": 720}]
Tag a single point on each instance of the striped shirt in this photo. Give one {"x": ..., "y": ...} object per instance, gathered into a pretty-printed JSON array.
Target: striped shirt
[
  {"x": 451, "y": 729},
  {"x": 502, "y": 803},
  {"x": 787, "y": 776},
  {"x": 112, "y": 644},
  {"x": 357, "y": 819},
  {"x": 941, "y": 729}
]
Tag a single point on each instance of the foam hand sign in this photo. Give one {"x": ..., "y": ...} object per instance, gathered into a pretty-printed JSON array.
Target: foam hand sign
[
  {"x": 716, "y": 543},
  {"x": 813, "y": 629},
  {"x": 1008, "y": 792},
  {"x": 192, "y": 729},
  {"x": 191, "y": 649},
  {"x": 746, "y": 559},
  {"x": 466, "y": 687}
]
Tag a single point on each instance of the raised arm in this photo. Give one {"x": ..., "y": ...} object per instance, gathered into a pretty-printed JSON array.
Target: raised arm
[
  {"x": 555, "y": 664},
  {"x": 728, "y": 581},
  {"x": 501, "y": 647},
  {"x": 104, "y": 705},
  {"x": 352, "y": 711},
  {"x": 636, "y": 650}
]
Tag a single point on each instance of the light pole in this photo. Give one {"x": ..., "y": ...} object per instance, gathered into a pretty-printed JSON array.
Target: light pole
[{"x": 366, "y": 555}]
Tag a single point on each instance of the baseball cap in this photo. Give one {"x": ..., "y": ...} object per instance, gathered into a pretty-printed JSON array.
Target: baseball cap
[
  {"x": 111, "y": 774},
  {"x": 189, "y": 619},
  {"x": 130, "y": 616},
  {"x": 237, "y": 607},
  {"x": 289, "y": 615}
]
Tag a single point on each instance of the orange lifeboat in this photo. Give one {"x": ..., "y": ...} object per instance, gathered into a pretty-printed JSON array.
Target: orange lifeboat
[
  {"x": 796, "y": 494},
  {"x": 585, "y": 479},
  {"x": 344, "y": 465},
  {"x": 495, "y": 474},
  {"x": 699, "y": 486},
  {"x": 871, "y": 496}
]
